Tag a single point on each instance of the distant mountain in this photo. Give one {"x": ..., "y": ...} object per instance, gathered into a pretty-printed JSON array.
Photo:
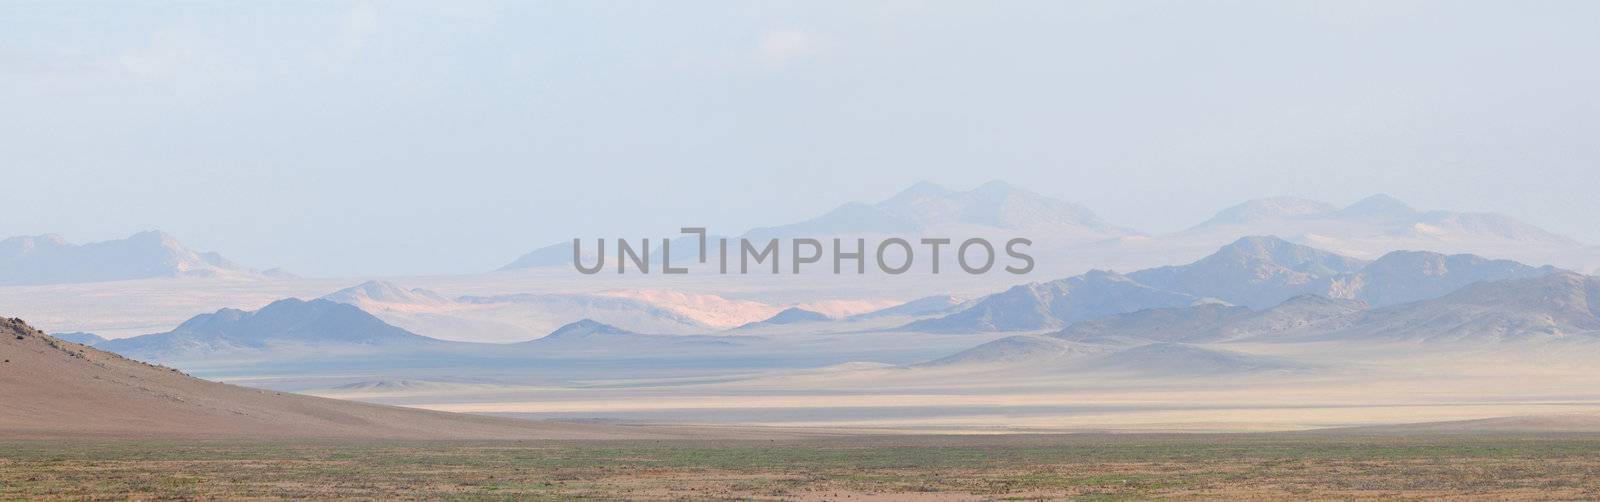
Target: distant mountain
[
  {"x": 1213, "y": 322},
  {"x": 791, "y": 315},
  {"x": 1268, "y": 209},
  {"x": 1408, "y": 276},
  {"x": 926, "y": 206},
  {"x": 49, "y": 259},
  {"x": 376, "y": 292},
  {"x": 926, "y": 305},
  {"x": 584, "y": 329},
  {"x": 89, "y": 339},
  {"x": 1054, "y": 304},
  {"x": 289, "y": 324},
  {"x": 1557, "y": 306},
  {"x": 590, "y": 336},
  {"x": 548, "y": 311},
  {"x": 521, "y": 317},
  {"x": 995, "y": 208},
  {"x": 1257, "y": 272},
  {"x": 1377, "y": 225},
  {"x": 685, "y": 252},
  {"x": 558, "y": 254}
]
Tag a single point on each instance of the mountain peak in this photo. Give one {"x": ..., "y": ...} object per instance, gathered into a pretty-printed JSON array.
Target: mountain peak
[
  {"x": 1256, "y": 271},
  {"x": 1257, "y": 243},
  {"x": 585, "y": 327},
  {"x": 1264, "y": 248},
  {"x": 796, "y": 314}
]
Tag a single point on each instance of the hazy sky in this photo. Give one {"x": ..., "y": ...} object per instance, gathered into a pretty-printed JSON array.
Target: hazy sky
[{"x": 403, "y": 138}]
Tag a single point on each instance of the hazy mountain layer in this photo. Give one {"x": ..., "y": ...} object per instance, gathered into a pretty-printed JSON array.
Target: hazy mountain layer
[
  {"x": 49, "y": 259},
  {"x": 285, "y": 325},
  {"x": 926, "y": 207},
  {"x": 1054, "y": 304},
  {"x": 1408, "y": 276},
  {"x": 1254, "y": 271}
]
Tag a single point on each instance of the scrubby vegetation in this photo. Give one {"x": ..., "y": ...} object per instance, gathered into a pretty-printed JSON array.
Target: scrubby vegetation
[{"x": 1272, "y": 466}]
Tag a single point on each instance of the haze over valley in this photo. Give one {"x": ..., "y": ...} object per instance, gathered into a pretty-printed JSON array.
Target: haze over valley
[{"x": 1299, "y": 315}]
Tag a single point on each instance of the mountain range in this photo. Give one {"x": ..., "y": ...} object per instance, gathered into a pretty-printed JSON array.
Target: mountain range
[
  {"x": 1063, "y": 233},
  {"x": 927, "y": 208},
  {"x": 1376, "y": 216},
  {"x": 1379, "y": 224},
  {"x": 1062, "y": 230},
  {"x": 995, "y": 208},
  {"x": 1558, "y": 312},
  {"x": 1561, "y": 306},
  {"x": 49, "y": 259},
  {"x": 1256, "y": 272},
  {"x": 293, "y": 329},
  {"x": 517, "y": 317},
  {"x": 1054, "y": 304}
]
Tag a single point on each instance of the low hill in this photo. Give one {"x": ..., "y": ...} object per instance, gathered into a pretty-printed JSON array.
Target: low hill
[
  {"x": 1014, "y": 351},
  {"x": 54, "y": 388},
  {"x": 1178, "y": 359},
  {"x": 791, "y": 315},
  {"x": 589, "y": 336}
]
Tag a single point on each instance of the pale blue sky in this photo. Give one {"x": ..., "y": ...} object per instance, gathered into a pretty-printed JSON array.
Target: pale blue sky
[{"x": 399, "y": 138}]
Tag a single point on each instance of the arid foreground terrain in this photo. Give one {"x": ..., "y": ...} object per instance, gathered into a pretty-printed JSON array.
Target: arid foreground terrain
[
  {"x": 1088, "y": 467},
  {"x": 79, "y": 423}
]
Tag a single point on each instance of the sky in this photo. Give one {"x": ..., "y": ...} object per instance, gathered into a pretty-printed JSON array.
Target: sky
[{"x": 403, "y": 138}]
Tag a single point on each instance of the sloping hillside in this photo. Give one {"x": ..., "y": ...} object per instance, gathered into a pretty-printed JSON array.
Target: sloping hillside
[{"x": 53, "y": 388}]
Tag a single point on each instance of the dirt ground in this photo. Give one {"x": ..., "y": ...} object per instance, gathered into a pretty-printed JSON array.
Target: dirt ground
[{"x": 1087, "y": 467}]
